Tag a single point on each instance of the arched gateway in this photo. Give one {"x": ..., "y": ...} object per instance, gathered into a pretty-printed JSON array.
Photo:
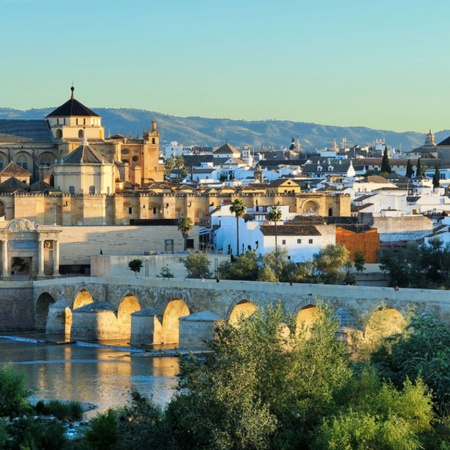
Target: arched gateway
[{"x": 31, "y": 249}]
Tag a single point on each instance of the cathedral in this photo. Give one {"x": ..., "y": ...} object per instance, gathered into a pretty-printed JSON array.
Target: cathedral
[{"x": 68, "y": 151}]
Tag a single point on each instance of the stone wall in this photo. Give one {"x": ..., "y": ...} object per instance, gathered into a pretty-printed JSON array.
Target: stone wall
[
  {"x": 16, "y": 306},
  {"x": 117, "y": 266},
  {"x": 78, "y": 244},
  {"x": 405, "y": 228}
]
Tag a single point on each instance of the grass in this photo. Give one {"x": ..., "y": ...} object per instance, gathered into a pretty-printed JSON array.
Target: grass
[{"x": 60, "y": 409}]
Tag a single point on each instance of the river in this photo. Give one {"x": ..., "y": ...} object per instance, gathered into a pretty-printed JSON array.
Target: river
[{"x": 88, "y": 374}]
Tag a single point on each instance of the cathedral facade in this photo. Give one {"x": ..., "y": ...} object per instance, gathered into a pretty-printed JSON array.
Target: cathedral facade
[{"x": 40, "y": 146}]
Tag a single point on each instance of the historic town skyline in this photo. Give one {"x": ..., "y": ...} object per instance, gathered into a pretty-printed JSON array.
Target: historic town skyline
[{"x": 378, "y": 65}]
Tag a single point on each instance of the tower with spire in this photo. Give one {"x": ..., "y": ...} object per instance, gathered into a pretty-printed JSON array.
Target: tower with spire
[{"x": 73, "y": 121}]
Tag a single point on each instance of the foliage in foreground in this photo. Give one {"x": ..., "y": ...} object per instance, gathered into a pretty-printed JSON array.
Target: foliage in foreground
[
  {"x": 272, "y": 383},
  {"x": 13, "y": 393}
]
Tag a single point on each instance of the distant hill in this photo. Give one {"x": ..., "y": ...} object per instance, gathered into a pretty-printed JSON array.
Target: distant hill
[{"x": 210, "y": 132}]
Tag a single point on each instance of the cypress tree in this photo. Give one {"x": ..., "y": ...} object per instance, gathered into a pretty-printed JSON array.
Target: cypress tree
[
  {"x": 409, "y": 169},
  {"x": 385, "y": 164},
  {"x": 436, "y": 178},
  {"x": 419, "y": 169}
]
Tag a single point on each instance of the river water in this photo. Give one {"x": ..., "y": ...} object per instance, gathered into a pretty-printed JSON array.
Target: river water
[{"x": 89, "y": 374}]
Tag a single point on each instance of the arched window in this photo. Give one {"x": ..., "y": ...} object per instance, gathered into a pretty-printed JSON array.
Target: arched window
[
  {"x": 80, "y": 134},
  {"x": 22, "y": 162},
  {"x": 58, "y": 133}
]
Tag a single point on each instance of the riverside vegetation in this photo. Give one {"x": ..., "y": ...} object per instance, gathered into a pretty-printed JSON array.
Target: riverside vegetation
[{"x": 271, "y": 383}]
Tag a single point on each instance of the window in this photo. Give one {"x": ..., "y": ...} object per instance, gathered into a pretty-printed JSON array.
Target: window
[
  {"x": 124, "y": 151},
  {"x": 299, "y": 241},
  {"x": 80, "y": 134},
  {"x": 283, "y": 242},
  {"x": 135, "y": 158},
  {"x": 168, "y": 245},
  {"x": 91, "y": 190},
  {"x": 154, "y": 210},
  {"x": 58, "y": 133},
  {"x": 310, "y": 241},
  {"x": 22, "y": 162},
  {"x": 72, "y": 190},
  {"x": 130, "y": 210}
]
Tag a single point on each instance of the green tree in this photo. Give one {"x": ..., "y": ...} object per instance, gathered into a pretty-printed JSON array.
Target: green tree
[
  {"x": 197, "y": 265},
  {"x": 238, "y": 208},
  {"x": 143, "y": 425},
  {"x": 422, "y": 351},
  {"x": 385, "y": 163},
  {"x": 185, "y": 225},
  {"x": 436, "y": 178},
  {"x": 13, "y": 393},
  {"x": 169, "y": 164},
  {"x": 262, "y": 387},
  {"x": 165, "y": 272},
  {"x": 179, "y": 164},
  {"x": 375, "y": 415},
  {"x": 409, "y": 169},
  {"x": 419, "y": 169},
  {"x": 135, "y": 265},
  {"x": 329, "y": 264},
  {"x": 275, "y": 216},
  {"x": 359, "y": 261},
  {"x": 419, "y": 265},
  {"x": 243, "y": 267},
  {"x": 103, "y": 433}
]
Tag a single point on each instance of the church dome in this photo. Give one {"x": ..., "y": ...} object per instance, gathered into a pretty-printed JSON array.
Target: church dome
[{"x": 72, "y": 108}]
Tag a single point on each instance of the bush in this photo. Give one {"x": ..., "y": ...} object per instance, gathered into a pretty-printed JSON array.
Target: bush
[
  {"x": 13, "y": 394},
  {"x": 197, "y": 265},
  {"x": 29, "y": 433},
  {"x": 143, "y": 425},
  {"x": 61, "y": 410},
  {"x": 104, "y": 431}
]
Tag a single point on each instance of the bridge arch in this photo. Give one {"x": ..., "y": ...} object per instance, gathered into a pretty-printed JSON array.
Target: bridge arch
[
  {"x": 383, "y": 322},
  {"x": 128, "y": 305},
  {"x": 170, "y": 332},
  {"x": 306, "y": 317},
  {"x": 242, "y": 309},
  {"x": 42, "y": 308},
  {"x": 82, "y": 298}
]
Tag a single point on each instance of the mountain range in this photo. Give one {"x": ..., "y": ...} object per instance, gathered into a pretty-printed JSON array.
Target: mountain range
[{"x": 274, "y": 134}]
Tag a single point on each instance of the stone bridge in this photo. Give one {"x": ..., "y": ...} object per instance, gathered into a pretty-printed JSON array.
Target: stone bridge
[{"x": 182, "y": 312}]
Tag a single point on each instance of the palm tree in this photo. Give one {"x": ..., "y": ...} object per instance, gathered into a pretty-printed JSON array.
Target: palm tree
[
  {"x": 179, "y": 164},
  {"x": 185, "y": 225},
  {"x": 238, "y": 208},
  {"x": 275, "y": 216}
]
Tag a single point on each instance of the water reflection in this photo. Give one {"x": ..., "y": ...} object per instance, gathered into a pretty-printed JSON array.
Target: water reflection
[{"x": 88, "y": 374}]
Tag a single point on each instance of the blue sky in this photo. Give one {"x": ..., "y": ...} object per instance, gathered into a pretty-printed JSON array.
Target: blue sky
[{"x": 381, "y": 64}]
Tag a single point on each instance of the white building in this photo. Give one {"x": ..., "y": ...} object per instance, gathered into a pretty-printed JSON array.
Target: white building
[{"x": 258, "y": 234}]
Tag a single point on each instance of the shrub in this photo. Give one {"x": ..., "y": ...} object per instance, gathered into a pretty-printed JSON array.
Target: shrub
[
  {"x": 61, "y": 410},
  {"x": 13, "y": 394},
  {"x": 104, "y": 431}
]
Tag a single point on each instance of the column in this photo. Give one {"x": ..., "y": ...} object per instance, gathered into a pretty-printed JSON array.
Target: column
[
  {"x": 6, "y": 274},
  {"x": 56, "y": 258},
  {"x": 40, "y": 273}
]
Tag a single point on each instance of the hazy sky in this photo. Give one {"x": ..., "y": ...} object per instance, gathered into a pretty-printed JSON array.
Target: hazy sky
[{"x": 376, "y": 63}]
